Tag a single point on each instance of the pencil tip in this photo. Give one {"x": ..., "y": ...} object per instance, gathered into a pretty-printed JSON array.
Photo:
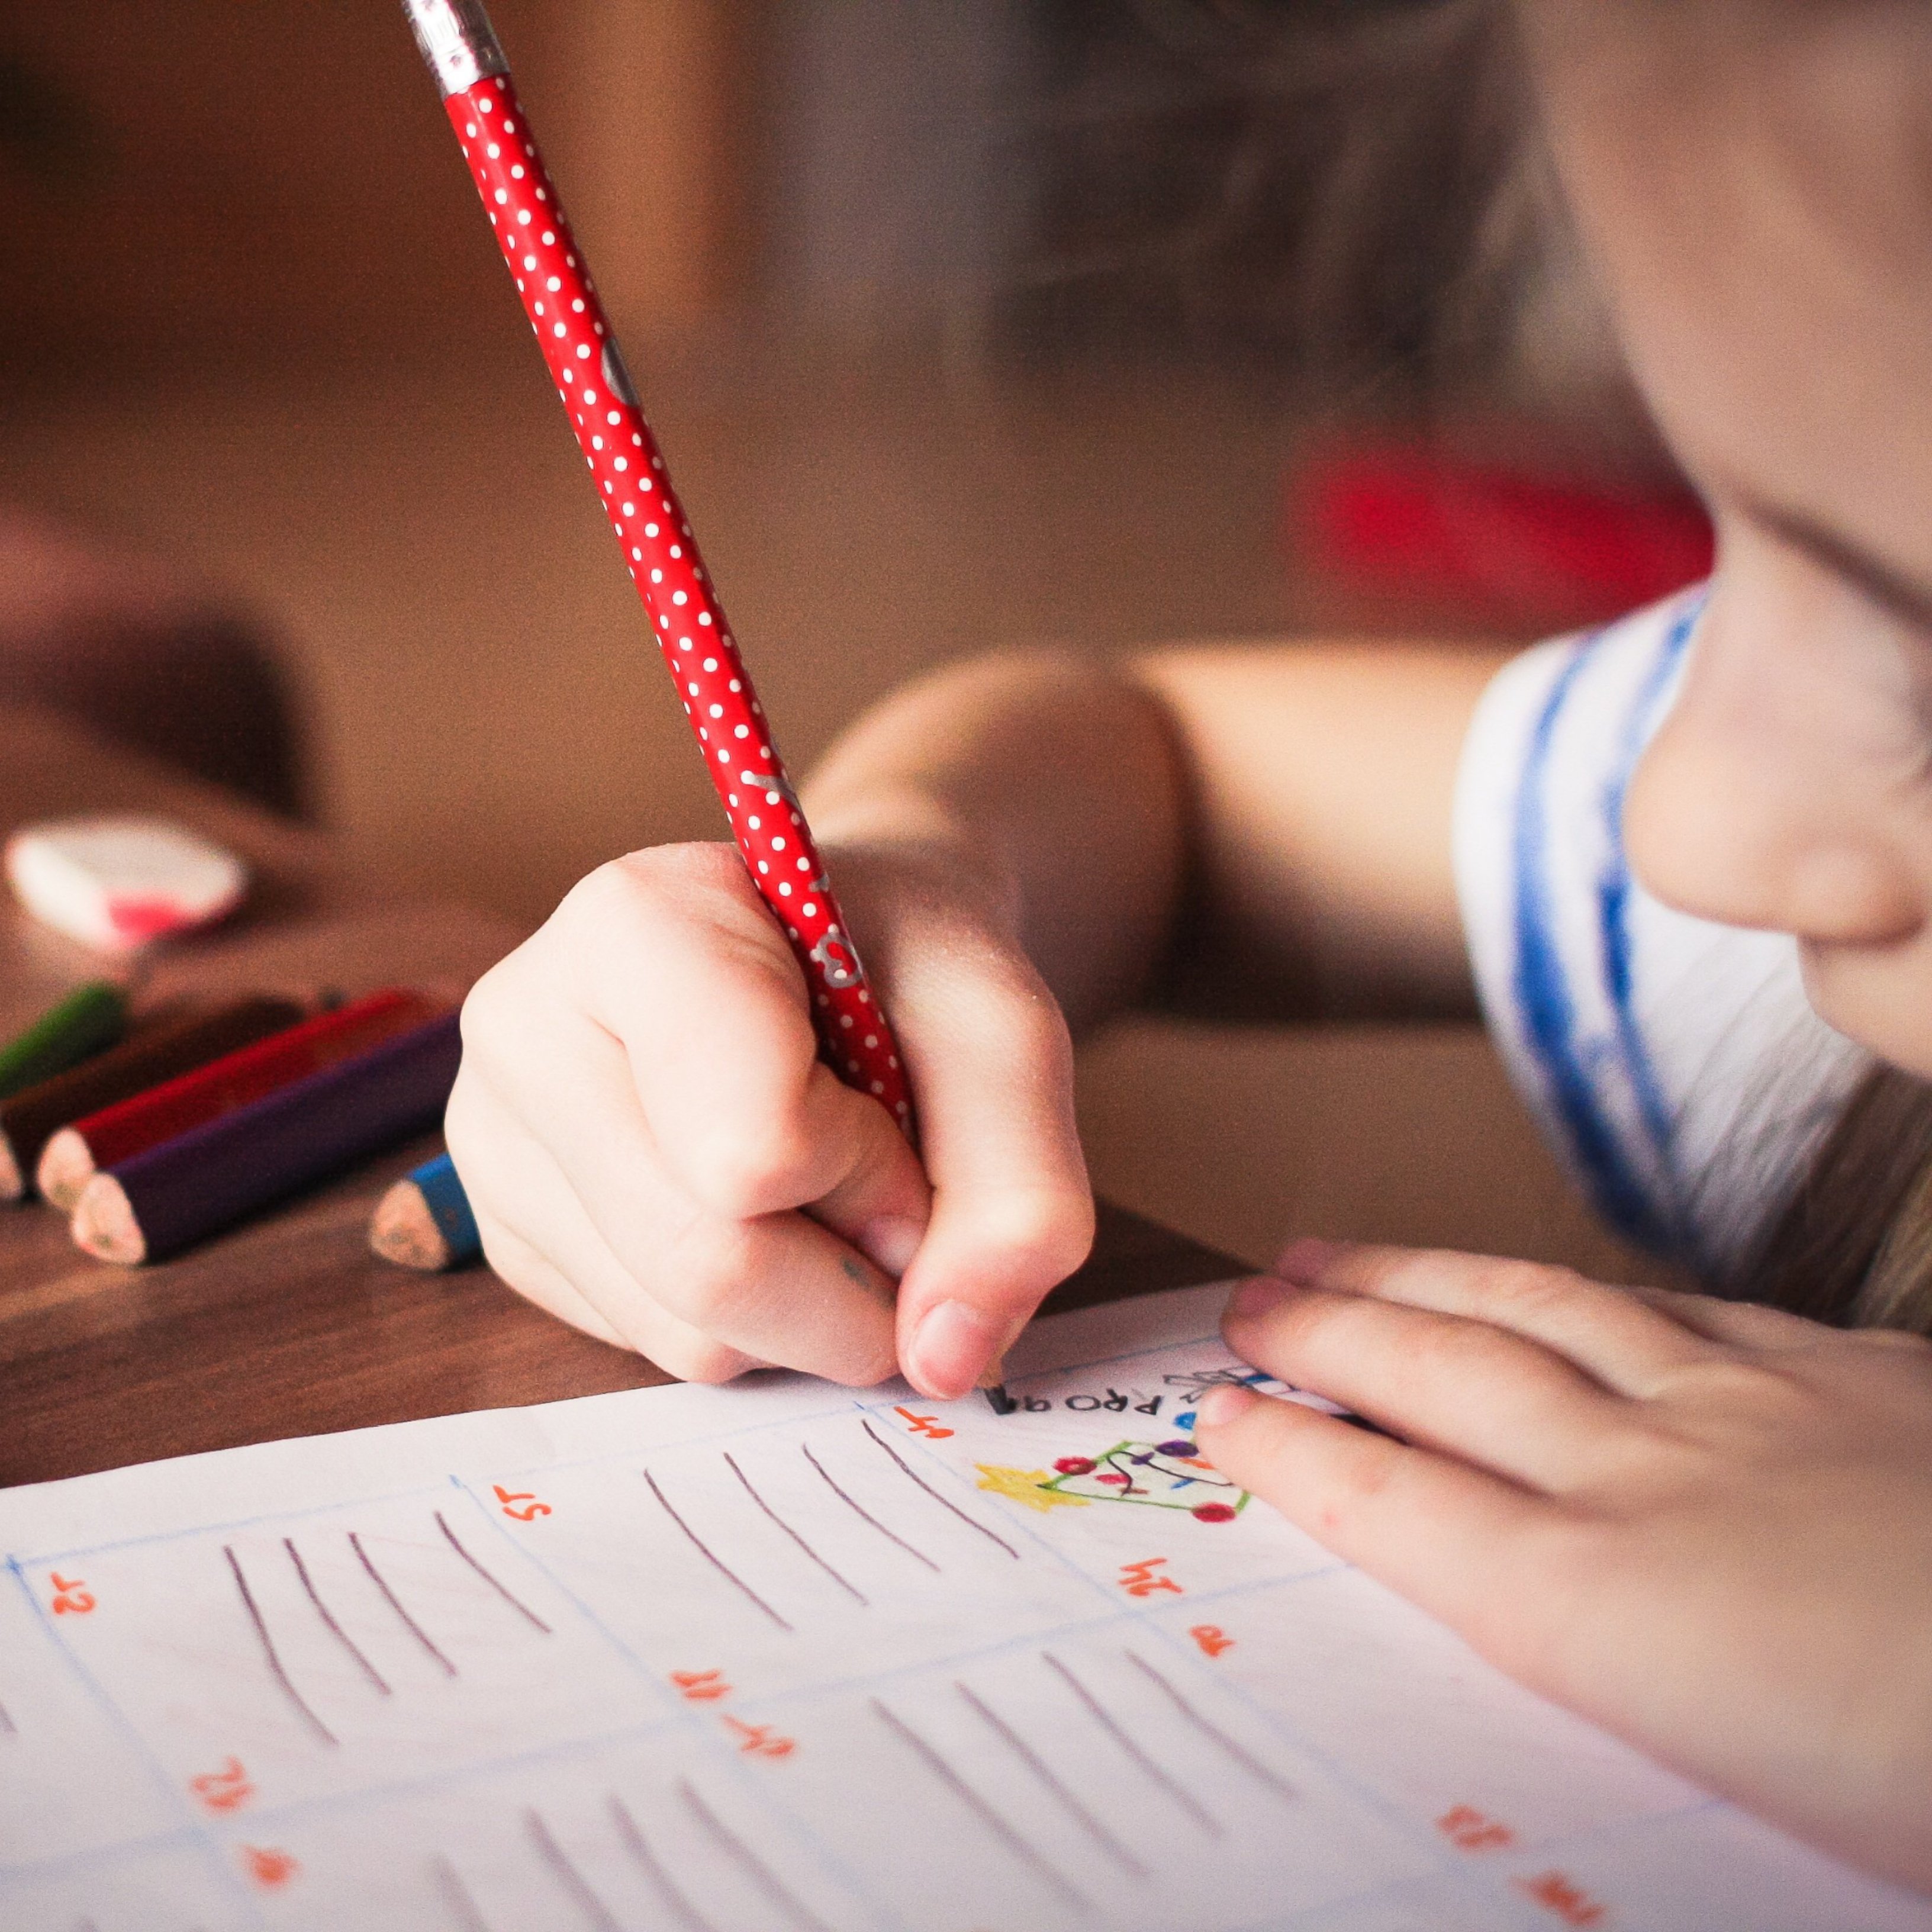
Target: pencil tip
[
  {"x": 404, "y": 1231},
  {"x": 104, "y": 1223},
  {"x": 66, "y": 1168},
  {"x": 998, "y": 1399}
]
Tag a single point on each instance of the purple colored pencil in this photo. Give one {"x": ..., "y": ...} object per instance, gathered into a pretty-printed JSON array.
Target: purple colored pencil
[{"x": 156, "y": 1203}]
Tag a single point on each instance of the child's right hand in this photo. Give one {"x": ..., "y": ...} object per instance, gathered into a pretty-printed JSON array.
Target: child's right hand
[{"x": 656, "y": 1152}]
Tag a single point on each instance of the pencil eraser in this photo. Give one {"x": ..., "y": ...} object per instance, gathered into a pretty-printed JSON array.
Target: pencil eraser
[{"x": 117, "y": 884}]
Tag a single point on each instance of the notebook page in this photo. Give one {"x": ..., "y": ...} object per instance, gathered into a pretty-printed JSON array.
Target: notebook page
[{"x": 781, "y": 1657}]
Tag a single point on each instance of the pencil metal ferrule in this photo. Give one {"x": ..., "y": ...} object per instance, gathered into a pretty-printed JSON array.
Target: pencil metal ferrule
[{"x": 457, "y": 41}]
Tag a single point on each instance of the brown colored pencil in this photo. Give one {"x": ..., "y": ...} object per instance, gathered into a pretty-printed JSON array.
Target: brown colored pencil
[{"x": 154, "y": 1053}]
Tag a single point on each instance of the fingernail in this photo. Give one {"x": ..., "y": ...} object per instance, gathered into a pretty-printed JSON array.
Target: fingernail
[
  {"x": 1304, "y": 1261},
  {"x": 1257, "y": 1297},
  {"x": 950, "y": 1346},
  {"x": 1225, "y": 1404},
  {"x": 891, "y": 1241}
]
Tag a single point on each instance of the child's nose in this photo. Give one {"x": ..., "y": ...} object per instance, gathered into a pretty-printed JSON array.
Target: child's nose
[{"x": 1744, "y": 815}]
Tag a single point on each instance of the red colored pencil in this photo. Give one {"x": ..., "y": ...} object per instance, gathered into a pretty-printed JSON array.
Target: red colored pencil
[
  {"x": 686, "y": 618},
  {"x": 118, "y": 1133}
]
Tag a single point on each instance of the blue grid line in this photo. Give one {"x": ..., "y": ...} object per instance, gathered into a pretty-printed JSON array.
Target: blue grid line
[{"x": 196, "y": 1828}]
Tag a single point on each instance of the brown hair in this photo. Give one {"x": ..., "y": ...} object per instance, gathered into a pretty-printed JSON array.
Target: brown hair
[
  {"x": 1853, "y": 1244},
  {"x": 1356, "y": 191}
]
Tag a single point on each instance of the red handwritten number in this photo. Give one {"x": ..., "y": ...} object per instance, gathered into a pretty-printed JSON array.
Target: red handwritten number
[
  {"x": 924, "y": 1425},
  {"x": 1469, "y": 1830},
  {"x": 1212, "y": 1638},
  {"x": 1138, "y": 1580},
  {"x": 1562, "y": 1898},
  {"x": 760, "y": 1740},
  {"x": 520, "y": 1505},
  {"x": 269, "y": 1869},
  {"x": 227, "y": 1789},
  {"x": 701, "y": 1687},
  {"x": 71, "y": 1599}
]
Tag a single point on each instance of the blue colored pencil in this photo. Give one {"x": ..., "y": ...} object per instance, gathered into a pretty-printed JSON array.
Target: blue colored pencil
[{"x": 425, "y": 1222}]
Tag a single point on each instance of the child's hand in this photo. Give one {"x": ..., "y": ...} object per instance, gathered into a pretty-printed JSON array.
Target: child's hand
[
  {"x": 1706, "y": 1525},
  {"x": 656, "y": 1152}
]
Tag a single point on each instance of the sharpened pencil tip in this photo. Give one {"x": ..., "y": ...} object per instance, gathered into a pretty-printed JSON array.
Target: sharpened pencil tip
[
  {"x": 404, "y": 1231},
  {"x": 104, "y": 1224},
  {"x": 66, "y": 1168},
  {"x": 998, "y": 1400}
]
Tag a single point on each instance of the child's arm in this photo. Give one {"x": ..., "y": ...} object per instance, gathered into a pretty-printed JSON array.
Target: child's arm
[
  {"x": 655, "y": 1151},
  {"x": 1706, "y": 1525}
]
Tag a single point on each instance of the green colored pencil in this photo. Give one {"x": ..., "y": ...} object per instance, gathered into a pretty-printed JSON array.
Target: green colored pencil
[{"x": 88, "y": 1021}]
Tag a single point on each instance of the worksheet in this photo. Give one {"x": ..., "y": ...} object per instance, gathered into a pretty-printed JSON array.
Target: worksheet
[{"x": 787, "y": 1657}]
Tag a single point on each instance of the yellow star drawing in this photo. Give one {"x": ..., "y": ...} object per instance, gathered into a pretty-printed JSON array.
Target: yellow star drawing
[{"x": 1028, "y": 1486}]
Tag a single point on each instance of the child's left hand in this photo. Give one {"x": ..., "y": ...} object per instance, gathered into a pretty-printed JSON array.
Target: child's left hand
[{"x": 1706, "y": 1525}]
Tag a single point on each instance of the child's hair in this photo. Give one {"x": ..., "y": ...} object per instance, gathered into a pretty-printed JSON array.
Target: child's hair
[
  {"x": 1853, "y": 1243},
  {"x": 1356, "y": 191}
]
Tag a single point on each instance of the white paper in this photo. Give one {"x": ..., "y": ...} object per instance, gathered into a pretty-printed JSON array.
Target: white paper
[{"x": 778, "y": 1658}]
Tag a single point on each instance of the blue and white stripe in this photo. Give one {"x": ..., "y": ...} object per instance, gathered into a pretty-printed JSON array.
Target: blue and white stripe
[{"x": 1674, "y": 1063}]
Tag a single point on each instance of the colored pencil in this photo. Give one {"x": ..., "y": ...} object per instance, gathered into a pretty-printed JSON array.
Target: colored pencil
[
  {"x": 147, "y": 1057},
  {"x": 88, "y": 1021},
  {"x": 687, "y": 621},
  {"x": 165, "y": 1200},
  {"x": 130, "y": 1127},
  {"x": 425, "y": 1222}
]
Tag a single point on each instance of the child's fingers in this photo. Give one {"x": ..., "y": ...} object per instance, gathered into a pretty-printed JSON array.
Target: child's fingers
[
  {"x": 1744, "y": 1324},
  {"x": 538, "y": 1238},
  {"x": 684, "y": 964},
  {"x": 1452, "y": 1539},
  {"x": 1479, "y": 1392},
  {"x": 779, "y": 1289},
  {"x": 1628, "y": 1345},
  {"x": 1012, "y": 1212}
]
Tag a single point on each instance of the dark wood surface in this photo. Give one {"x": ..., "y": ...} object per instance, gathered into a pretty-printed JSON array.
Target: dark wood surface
[{"x": 290, "y": 1326}]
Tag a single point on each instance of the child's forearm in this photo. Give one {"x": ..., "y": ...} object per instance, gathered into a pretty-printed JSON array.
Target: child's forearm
[
  {"x": 1265, "y": 827},
  {"x": 1053, "y": 785}
]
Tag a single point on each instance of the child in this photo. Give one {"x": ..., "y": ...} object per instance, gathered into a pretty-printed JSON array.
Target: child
[{"x": 1706, "y": 1524}]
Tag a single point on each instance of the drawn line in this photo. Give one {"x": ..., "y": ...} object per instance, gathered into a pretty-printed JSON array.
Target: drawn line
[
  {"x": 275, "y": 1670},
  {"x": 688, "y": 1915},
  {"x": 8, "y": 1728},
  {"x": 522, "y": 1608},
  {"x": 567, "y": 1875},
  {"x": 746, "y": 1481},
  {"x": 858, "y": 1508},
  {"x": 1248, "y": 1763},
  {"x": 761, "y": 1874},
  {"x": 972, "y": 1523},
  {"x": 328, "y": 1616},
  {"x": 717, "y": 1563},
  {"x": 1051, "y": 1778},
  {"x": 456, "y": 1895},
  {"x": 389, "y": 1597},
  {"x": 1108, "y": 1723},
  {"x": 1020, "y": 1848}
]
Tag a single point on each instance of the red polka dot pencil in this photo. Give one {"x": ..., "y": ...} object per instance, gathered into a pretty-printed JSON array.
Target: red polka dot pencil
[{"x": 662, "y": 556}]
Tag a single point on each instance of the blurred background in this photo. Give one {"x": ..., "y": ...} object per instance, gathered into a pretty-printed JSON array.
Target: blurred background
[{"x": 964, "y": 323}]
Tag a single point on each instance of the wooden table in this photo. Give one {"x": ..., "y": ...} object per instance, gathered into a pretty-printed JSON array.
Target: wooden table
[{"x": 289, "y": 1326}]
